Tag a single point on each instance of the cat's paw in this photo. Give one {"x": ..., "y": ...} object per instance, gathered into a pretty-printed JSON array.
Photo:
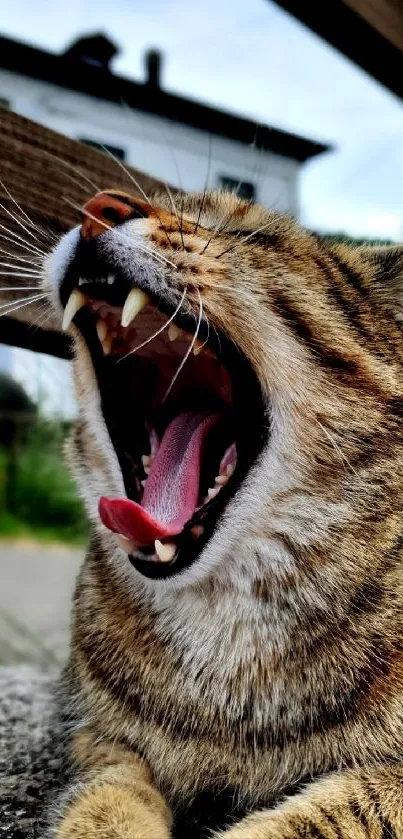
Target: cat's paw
[
  {"x": 340, "y": 822},
  {"x": 110, "y": 812}
]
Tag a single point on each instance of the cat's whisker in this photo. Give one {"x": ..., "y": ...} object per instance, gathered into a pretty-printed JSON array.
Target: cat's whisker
[
  {"x": 219, "y": 228},
  {"x": 16, "y": 238},
  {"x": 138, "y": 186},
  {"x": 21, "y": 246},
  {"x": 168, "y": 191},
  {"x": 244, "y": 239},
  {"x": 173, "y": 205},
  {"x": 23, "y": 276},
  {"x": 206, "y": 183},
  {"x": 158, "y": 332},
  {"x": 33, "y": 261},
  {"x": 7, "y": 191},
  {"x": 223, "y": 222},
  {"x": 235, "y": 290},
  {"x": 81, "y": 175},
  {"x": 226, "y": 219},
  {"x": 19, "y": 268},
  {"x": 27, "y": 299},
  {"x": 41, "y": 230},
  {"x": 205, "y": 343},
  {"x": 345, "y": 461},
  {"x": 189, "y": 350},
  {"x": 18, "y": 221},
  {"x": 86, "y": 189},
  {"x": 19, "y": 288},
  {"x": 218, "y": 338},
  {"x": 18, "y": 304},
  {"x": 150, "y": 251},
  {"x": 44, "y": 318}
]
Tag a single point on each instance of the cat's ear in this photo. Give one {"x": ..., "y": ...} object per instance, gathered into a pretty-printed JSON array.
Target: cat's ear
[{"x": 386, "y": 264}]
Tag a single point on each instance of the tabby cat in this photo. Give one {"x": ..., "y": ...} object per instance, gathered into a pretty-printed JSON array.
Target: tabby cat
[{"x": 236, "y": 664}]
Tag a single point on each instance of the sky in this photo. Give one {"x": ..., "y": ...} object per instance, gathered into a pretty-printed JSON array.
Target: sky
[{"x": 250, "y": 57}]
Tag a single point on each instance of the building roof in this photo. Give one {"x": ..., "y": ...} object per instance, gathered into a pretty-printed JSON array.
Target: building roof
[
  {"x": 87, "y": 71},
  {"x": 367, "y": 32}
]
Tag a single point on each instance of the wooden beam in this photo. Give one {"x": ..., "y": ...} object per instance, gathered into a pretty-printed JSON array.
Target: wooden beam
[
  {"x": 29, "y": 337},
  {"x": 45, "y": 177},
  {"x": 359, "y": 39},
  {"x": 386, "y": 16}
]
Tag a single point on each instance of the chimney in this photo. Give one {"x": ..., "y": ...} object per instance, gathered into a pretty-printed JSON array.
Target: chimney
[
  {"x": 95, "y": 49},
  {"x": 153, "y": 64}
]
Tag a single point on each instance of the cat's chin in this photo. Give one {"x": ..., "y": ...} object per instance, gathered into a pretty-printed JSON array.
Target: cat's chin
[{"x": 183, "y": 408}]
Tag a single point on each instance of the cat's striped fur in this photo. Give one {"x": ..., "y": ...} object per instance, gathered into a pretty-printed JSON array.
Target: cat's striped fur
[{"x": 268, "y": 678}]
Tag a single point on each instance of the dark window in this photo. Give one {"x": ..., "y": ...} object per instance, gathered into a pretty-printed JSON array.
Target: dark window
[
  {"x": 244, "y": 189},
  {"x": 4, "y": 103},
  {"x": 115, "y": 150}
]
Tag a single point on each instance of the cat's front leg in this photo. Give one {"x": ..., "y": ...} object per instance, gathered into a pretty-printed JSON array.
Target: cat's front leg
[
  {"x": 345, "y": 805},
  {"x": 114, "y": 796}
]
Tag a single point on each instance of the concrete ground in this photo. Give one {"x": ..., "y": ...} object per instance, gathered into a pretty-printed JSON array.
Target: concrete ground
[{"x": 36, "y": 587}]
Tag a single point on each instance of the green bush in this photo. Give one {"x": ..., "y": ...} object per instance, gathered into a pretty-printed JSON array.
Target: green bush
[{"x": 41, "y": 498}]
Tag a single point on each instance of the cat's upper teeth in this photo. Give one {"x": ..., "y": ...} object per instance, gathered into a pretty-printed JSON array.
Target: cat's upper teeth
[
  {"x": 107, "y": 344},
  {"x": 102, "y": 330},
  {"x": 173, "y": 332},
  {"x": 98, "y": 280},
  {"x": 135, "y": 302},
  {"x": 75, "y": 302},
  {"x": 197, "y": 347}
]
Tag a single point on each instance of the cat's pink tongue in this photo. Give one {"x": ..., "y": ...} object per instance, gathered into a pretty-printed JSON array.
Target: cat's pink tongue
[{"x": 171, "y": 492}]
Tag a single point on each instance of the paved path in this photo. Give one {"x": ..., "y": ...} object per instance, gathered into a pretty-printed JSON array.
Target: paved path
[{"x": 36, "y": 586}]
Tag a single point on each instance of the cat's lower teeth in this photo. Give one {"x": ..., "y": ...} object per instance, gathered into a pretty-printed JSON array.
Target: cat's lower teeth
[{"x": 165, "y": 550}]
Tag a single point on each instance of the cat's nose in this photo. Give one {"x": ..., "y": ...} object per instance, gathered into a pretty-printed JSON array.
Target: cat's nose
[{"x": 104, "y": 210}]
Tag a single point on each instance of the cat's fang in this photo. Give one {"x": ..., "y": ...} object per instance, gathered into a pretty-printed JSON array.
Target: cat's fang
[
  {"x": 135, "y": 302},
  {"x": 75, "y": 302},
  {"x": 165, "y": 550},
  {"x": 102, "y": 330},
  {"x": 107, "y": 345},
  {"x": 126, "y": 544},
  {"x": 173, "y": 332},
  {"x": 197, "y": 347}
]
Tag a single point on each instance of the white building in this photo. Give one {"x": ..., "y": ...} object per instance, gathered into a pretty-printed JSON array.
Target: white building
[{"x": 176, "y": 140}]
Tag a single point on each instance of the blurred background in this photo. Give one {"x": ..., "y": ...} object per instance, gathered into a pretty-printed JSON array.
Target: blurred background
[{"x": 285, "y": 103}]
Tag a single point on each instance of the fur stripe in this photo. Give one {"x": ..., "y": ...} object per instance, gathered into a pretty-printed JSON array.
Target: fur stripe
[
  {"x": 358, "y": 814},
  {"x": 303, "y": 331},
  {"x": 327, "y": 817},
  {"x": 387, "y": 831}
]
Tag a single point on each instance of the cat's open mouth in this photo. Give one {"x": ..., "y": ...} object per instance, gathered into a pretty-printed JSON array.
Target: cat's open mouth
[{"x": 185, "y": 416}]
